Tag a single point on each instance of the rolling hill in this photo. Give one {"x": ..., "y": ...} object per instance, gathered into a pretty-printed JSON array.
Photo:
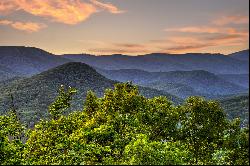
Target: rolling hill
[
  {"x": 179, "y": 83},
  {"x": 33, "y": 95},
  {"x": 181, "y": 90}
]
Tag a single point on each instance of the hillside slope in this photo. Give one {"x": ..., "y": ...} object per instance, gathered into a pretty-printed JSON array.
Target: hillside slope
[
  {"x": 33, "y": 95},
  {"x": 7, "y": 73}
]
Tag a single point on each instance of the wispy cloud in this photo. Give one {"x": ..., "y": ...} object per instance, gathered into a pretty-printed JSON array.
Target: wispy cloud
[
  {"x": 24, "y": 26},
  {"x": 237, "y": 19},
  {"x": 63, "y": 11},
  {"x": 198, "y": 43},
  {"x": 129, "y": 46},
  {"x": 194, "y": 29},
  {"x": 107, "y": 6},
  {"x": 122, "y": 48},
  {"x": 103, "y": 51},
  {"x": 227, "y": 39},
  {"x": 217, "y": 33},
  {"x": 207, "y": 30},
  {"x": 5, "y": 22},
  {"x": 194, "y": 44},
  {"x": 186, "y": 48},
  {"x": 179, "y": 43}
]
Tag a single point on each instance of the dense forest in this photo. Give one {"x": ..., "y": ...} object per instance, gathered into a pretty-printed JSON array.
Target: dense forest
[{"x": 124, "y": 127}]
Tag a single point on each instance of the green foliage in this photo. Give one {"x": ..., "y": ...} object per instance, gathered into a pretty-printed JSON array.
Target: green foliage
[
  {"x": 237, "y": 144},
  {"x": 141, "y": 151},
  {"x": 124, "y": 127},
  {"x": 11, "y": 145},
  {"x": 237, "y": 107},
  {"x": 91, "y": 104},
  {"x": 62, "y": 102},
  {"x": 202, "y": 126}
]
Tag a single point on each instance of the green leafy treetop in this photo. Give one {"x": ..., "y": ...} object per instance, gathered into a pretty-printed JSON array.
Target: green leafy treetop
[{"x": 62, "y": 102}]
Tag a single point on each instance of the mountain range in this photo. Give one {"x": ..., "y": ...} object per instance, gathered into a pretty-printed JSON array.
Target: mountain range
[
  {"x": 33, "y": 76},
  {"x": 159, "y": 62},
  {"x": 28, "y": 61}
]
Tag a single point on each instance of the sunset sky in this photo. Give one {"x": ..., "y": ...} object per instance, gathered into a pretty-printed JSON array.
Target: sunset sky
[{"x": 131, "y": 27}]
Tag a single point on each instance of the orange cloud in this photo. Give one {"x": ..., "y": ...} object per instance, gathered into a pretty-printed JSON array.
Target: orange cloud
[
  {"x": 193, "y": 29},
  {"x": 182, "y": 44},
  {"x": 218, "y": 33},
  {"x": 28, "y": 26},
  {"x": 238, "y": 19},
  {"x": 177, "y": 44},
  {"x": 5, "y": 22},
  {"x": 63, "y": 11},
  {"x": 24, "y": 26},
  {"x": 208, "y": 30},
  {"x": 199, "y": 43},
  {"x": 186, "y": 48},
  {"x": 183, "y": 40},
  {"x": 129, "y": 46},
  {"x": 102, "y": 51},
  {"x": 68, "y": 12},
  {"x": 7, "y": 6},
  {"x": 229, "y": 40},
  {"x": 122, "y": 48}
]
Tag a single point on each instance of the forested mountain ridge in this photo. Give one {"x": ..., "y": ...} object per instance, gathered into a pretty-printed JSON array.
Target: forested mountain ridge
[{"x": 33, "y": 95}]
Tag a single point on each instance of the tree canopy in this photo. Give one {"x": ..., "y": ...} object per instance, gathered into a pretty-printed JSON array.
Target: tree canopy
[{"x": 124, "y": 127}]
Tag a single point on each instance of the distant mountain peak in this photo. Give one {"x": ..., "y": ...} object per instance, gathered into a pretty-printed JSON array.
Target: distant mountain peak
[
  {"x": 73, "y": 69},
  {"x": 28, "y": 60}
]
